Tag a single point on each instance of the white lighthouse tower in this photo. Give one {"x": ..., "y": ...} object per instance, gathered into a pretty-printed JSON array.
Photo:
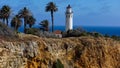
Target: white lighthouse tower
[{"x": 69, "y": 18}]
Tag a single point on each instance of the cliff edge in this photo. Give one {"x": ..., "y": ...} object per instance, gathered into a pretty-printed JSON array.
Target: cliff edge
[{"x": 29, "y": 51}]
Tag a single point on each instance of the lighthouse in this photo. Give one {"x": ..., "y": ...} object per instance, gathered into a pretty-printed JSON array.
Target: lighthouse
[{"x": 69, "y": 18}]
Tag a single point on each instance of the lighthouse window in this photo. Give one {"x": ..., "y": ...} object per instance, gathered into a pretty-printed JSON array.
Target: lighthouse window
[{"x": 68, "y": 16}]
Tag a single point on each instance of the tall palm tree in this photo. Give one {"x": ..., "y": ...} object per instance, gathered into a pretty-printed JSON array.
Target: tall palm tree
[
  {"x": 0, "y": 14},
  {"x": 16, "y": 22},
  {"x": 5, "y": 13},
  {"x": 31, "y": 21},
  {"x": 24, "y": 13},
  {"x": 45, "y": 25},
  {"x": 51, "y": 7}
]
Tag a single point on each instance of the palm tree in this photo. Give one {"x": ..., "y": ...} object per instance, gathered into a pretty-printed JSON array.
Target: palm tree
[
  {"x": 31, "y": 21},
  {"x": 5, "y": 13},
  {"x": 0, "y": 14},
  {"x": 45, "y": 25},
  {"x": 16, "y": 22},
  {"x": 51, "y": 7},
  {"x": 24, "y": 13}
]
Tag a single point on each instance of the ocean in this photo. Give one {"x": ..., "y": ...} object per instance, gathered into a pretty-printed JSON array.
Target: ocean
[{"x": 100, "y": 29}]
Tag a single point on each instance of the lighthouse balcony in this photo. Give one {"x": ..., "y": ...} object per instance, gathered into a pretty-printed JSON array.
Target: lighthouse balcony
[{"x": 69, "y": 12}]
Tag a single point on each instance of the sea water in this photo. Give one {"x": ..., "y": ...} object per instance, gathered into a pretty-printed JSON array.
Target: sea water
[{"x": 100, "y": 29}]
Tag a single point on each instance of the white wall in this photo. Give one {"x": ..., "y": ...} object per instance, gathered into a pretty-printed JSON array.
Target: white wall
[{"x": 69, "y": 19}]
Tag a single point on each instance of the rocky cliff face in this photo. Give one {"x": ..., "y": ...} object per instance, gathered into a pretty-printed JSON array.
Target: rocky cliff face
[{"x": 83, "y": 52}]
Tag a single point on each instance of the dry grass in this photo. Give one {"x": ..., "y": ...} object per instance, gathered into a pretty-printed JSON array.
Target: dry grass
[
  {"x": 98, "y": 56},
  {"x": 99, "y": 53},
  {"x": 95, "y": 53},
  {"x": 83, "y": 52}
]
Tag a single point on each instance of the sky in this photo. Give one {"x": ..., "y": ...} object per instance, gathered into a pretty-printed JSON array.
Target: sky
[{"x": 86, "y": 12}]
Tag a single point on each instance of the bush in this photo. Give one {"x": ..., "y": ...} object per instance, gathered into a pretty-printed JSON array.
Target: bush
[
  {"x": 84, "y": 34},
  {"x": 6, "y": 31},
  {"x": 73, "y": 33},
  {"x": 106, "y": 35},
  {"x": 40, "y": 33},
  {"x": 115, "y": 37},
  {"x": 95, "y": 34},
  {"x": 58, "y": 64},
  {"x": 31, "y": 31}
]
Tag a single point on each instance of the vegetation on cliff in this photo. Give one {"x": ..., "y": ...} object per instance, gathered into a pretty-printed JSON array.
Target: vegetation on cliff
[
  {"x": 82, "y": 52},
  {"x": 5, "y": 31},
  {"x": 43, "y": 49},
  {"x": 90, "y": 50}
]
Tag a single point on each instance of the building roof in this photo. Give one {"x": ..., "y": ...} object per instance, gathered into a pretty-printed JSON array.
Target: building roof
[{"x": 57, "y": 32}]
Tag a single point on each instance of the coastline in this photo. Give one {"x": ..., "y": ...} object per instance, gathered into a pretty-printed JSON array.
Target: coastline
[{"x": 109, "y": 30}]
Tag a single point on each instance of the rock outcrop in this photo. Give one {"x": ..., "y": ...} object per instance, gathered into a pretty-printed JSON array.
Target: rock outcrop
[{"x": 29, "y": 51}]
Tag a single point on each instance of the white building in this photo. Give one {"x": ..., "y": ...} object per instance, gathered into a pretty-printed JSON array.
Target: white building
[{"x": 69, "y": 18}]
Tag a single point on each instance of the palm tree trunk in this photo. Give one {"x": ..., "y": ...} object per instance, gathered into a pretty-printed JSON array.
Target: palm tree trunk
[
  {"x": 30, "y": 25},
  {"x": 47, "y": 29},
  {"x": 15, "y": 26},
  {"x": 52, "y": 17},
  {"x": 3, "y": 20},
  {"x": 7, "y": 21},
  {"x": 24, "y": 25}
]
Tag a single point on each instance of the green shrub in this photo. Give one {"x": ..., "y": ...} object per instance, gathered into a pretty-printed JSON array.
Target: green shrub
[
  {"x": 115, "y": 37},
  {"x": 74, "y": 33},
  {"x": 58, "y": 64},
  {"x": 95, "y": 34},
  {"x": 6, "y": 31},
  {"x": 106, "y": 35},
  {"x": 71, "y": 33},
  {"x": 84, "y": 34},
  {"x": 31, "y": 31},
  {"x": 40, "y": 33}
]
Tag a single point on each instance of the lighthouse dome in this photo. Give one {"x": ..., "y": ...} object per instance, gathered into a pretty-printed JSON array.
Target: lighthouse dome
[
  {"x": 68, "y": 6},
  {"x": 69, "y": 9}
]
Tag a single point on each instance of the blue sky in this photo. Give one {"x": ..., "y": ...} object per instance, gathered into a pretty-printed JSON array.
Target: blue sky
[{"x": 86, "y": 12}]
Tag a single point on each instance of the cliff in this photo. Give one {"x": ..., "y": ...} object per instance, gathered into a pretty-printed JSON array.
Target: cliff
[{"x": 28, "y": 51}]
